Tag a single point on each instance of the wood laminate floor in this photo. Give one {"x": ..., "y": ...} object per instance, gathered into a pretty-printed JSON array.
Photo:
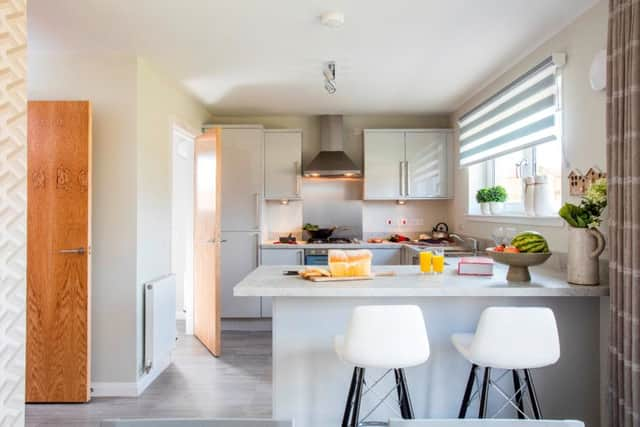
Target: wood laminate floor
[{"x": 196, "y": 384}]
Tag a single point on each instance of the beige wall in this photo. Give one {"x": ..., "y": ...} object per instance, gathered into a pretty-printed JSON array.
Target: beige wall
[
  {"x": 134, "y": 107},
  {"x": 161, "y": 104},
  {"x": 109, "y": 82},
  {"x": 584, "y": 114}
]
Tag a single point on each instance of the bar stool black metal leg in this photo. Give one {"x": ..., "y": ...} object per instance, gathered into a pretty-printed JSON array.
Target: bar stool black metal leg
[
  {"x": 484, "y": 396},
  {"x": 518, "y": 392},
  {"x": 349, "y": 404},
  {"x": 537, "y": 413},
  {"x": 400, "y": 390},
  {"x": 355, "y": 411},
  {"x": 467, "y": 392},
  {"x": 405, "y": 392}
]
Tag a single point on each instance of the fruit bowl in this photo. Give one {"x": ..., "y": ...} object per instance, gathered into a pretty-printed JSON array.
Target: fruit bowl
[{"x": 518, "y": 263}]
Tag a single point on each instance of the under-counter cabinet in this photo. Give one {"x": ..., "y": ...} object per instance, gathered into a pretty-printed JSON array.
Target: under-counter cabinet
[
  {"x": 386, "y": 256},
  {"x": 277, "y": 256},
  {"x": 407, "y": 164},
  {"x": 282, "y": 162}
]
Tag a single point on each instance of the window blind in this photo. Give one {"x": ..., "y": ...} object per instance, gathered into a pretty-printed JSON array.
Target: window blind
[{"x": 519, "y": 116}]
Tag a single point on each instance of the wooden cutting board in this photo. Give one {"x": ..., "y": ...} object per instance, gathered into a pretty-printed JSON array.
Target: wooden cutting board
[{"x": 352, "y": 278}]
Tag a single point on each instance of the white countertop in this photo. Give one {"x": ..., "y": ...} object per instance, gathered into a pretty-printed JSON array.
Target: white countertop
[{"x": 268, "y": 281}]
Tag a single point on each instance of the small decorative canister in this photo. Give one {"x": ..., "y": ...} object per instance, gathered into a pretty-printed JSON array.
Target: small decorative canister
[
  {"x": 543, "y": 196},
  {"x": 529, "y": 190}
]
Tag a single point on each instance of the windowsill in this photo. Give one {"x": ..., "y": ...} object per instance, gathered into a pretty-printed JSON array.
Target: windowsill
[{"x": 545, "y": 221}]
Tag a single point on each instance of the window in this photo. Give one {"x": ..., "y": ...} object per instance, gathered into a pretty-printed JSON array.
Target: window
[
  {"x": 508, "y": 171},
  {"x": 516, "y": 133}
]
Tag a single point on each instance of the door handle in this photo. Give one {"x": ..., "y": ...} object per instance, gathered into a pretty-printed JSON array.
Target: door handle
[{"x": 78, "y": 251}]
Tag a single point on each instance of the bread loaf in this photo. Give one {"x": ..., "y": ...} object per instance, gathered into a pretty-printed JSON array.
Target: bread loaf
[{"x": 350, "y": 263}]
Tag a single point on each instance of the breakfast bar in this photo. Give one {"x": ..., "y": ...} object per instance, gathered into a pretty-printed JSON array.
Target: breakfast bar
[{"x": 310, "y": 382}]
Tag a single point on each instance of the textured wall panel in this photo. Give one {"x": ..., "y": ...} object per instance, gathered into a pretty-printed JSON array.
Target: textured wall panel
[{"x": 13, "y": 144}]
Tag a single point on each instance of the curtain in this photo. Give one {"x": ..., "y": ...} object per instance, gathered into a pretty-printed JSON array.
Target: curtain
[{"x": 623, "y": 166}]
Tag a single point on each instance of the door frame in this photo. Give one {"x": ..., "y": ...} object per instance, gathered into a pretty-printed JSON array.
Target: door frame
[{"x": 177, "y": 126}]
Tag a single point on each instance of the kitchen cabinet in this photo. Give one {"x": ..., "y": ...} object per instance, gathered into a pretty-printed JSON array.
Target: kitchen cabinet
[
  {"x": 407, "y": 164},
  {"x": 277, "y": 256},
  {"x": 387, "y": 256},
  {"x": 383, "y": 164},
  {"x": 282, "y": 162},
  {"x": 427, "y": 164},
  {"x": 239, "y": 256},
  {"x": 242, "y": 177}
]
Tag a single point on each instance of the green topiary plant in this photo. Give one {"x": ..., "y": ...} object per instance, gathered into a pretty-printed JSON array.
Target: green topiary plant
[
  {"x": 497, "y": 194},
  {"x": 482, "y": 196}
]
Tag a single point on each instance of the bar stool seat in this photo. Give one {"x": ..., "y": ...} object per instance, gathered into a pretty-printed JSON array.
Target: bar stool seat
[
  {"x": 389, "y": 337},
  {"x": 514, "y": 339}
]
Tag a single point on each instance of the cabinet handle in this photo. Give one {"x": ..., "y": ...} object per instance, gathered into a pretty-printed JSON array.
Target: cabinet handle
[
  {"x": 406, "y": 177},
  {"x": 296, "y": 167},
  {"x": 401, "y": 178},
  {"x": 258, "y": 210},
  {"x": 257, "y": 249},
  {"x": 300, "y": 260}
]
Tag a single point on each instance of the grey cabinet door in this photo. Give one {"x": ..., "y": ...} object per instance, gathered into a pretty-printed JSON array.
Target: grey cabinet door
[
  {"x": 282, "y": 257},
  {"x": 239, "y": 256},
  {"x": 282, "y": 162},
  {"x": 278, "y": 257},
  {"x": 427, "y": 164},
  {"x": 383, "y": 164},
  {"x": 242, "y": 178},
  {"x": 387, "y": 256}
]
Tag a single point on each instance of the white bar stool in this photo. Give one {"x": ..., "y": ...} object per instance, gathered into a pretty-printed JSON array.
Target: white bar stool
[
  {"x": 514, "y": 339},
  {"x": 391, "y": 337}
]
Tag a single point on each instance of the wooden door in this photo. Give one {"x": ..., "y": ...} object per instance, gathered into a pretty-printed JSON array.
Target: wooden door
[
  {"x": 383, "y": 164},
  {"x": 206, "y": 288},
  {"x": 58, "y": 251}
]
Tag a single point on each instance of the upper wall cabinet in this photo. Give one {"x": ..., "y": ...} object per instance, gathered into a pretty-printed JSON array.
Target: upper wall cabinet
[
  {"x": 283, "y": 161},
  {"x": 407, "y": 164}
]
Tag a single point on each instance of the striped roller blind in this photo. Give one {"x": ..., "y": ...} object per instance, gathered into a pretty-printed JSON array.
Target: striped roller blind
[{"x": 521, "y": 115}]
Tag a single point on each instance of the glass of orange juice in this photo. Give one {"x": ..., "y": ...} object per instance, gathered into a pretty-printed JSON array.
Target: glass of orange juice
[
  {"x": 438, "y": 260},
  {"x": 425, "y": 261}
]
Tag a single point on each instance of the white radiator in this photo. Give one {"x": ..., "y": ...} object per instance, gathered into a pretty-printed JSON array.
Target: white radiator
[{"x": 159, "y": 321}]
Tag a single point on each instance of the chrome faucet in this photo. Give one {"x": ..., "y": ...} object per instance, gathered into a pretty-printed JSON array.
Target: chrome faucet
[{"x": 473, "y": 242}]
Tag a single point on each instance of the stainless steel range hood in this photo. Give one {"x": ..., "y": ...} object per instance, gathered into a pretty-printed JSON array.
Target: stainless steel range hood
[{"x": 331, "y": 161}]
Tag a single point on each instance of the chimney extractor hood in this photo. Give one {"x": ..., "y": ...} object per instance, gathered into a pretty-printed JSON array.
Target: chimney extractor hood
[{"x": 331, "y": 161}]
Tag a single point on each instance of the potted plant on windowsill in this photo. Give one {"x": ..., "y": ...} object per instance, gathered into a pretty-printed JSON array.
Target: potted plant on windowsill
[
  {"x": 482, "y": 197},
  {"x": 586, "y": 242},
  {"x": 497, "y": 197}
]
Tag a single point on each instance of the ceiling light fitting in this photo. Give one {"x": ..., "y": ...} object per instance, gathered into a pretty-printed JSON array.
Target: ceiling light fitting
[
  {"x": 332, "y": 19},
  {"x": 330, "y": 77}
]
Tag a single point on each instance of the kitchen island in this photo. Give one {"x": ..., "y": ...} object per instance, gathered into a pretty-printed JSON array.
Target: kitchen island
[{"x": 310, "y": 383}]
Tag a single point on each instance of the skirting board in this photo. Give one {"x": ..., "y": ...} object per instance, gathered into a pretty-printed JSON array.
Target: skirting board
[{"x": 131, "y": 389}]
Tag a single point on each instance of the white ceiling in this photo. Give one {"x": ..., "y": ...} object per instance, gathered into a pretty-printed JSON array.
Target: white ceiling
[{"x": 266, "y": 56}]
